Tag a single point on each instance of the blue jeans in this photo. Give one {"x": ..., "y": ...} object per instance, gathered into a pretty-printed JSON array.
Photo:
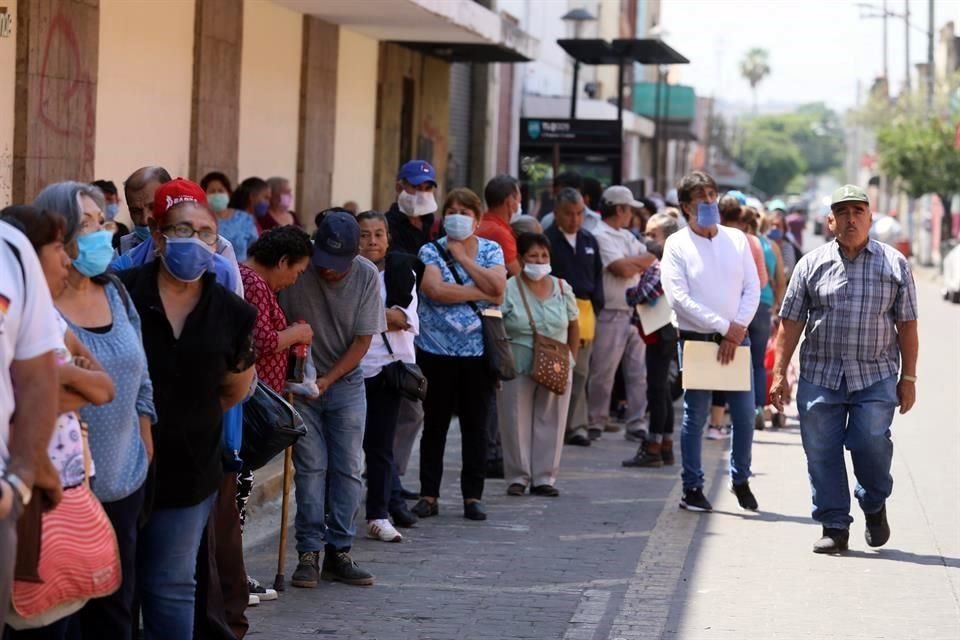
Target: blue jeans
[
  {"x": 696, "y": 409},
  {"x": 167, "y": 564},
  {"x": 860, "y": 421},
  {"x": 759, "y": 332},
  {"x": 328, "y": 462}
]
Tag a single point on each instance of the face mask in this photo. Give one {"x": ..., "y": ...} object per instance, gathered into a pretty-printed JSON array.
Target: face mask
[
  {"x": 218, "y": 201},
  {"x": 417, "y": 204},
  {"x": 142, "y": 232},
  {"x": 775, "y": 234},
  {"x": 286, "y": 200},
  {"x": 111, "y": 211},
  {"x": 517, "y": 215},
  {"x": 536, "y": 271},
  {"x": 458, "y": 226},
  {"x": 95, "y": 251},
  {"x": 708, "y": 214},
  {"x": 186, "y": 259},
  {"x": 260, "y": 209}
]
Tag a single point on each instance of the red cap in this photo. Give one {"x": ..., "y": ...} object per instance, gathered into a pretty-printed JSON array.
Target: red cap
[{"x": 173, "y": 193}]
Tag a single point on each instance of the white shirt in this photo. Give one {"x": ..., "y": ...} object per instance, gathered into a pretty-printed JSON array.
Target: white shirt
[
  {"x": 616, "y": 244},
  {"x": 28, "y": 320},
  {"x": 401, "y": 342},
  {"x": 710, "y": 282}
]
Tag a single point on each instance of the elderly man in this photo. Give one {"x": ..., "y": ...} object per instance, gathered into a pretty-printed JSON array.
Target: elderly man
[
  {"x": 138, "y": 191},
  {"x": 575, "y": 257},
  {"x": 711, "y": 281},
  {"x": 411, "y": 216},
  {"x": 857, "y": 299}
]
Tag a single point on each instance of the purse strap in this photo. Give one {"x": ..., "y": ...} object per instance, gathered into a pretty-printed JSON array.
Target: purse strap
[
  {"x": 521, "y": 286},
  {"x": 452, "y": 265},
  {"x": 383, "y": 334}
]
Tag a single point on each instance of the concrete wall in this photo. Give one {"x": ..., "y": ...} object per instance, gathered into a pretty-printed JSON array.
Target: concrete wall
[
  {"x": 353, "y": 156},
  {"x": 8, "y": 79},
  {"x": 270, "y": 91},
  {"x": 145, "y": 87}
]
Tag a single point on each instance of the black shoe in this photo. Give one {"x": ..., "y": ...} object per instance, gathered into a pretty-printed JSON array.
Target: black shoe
[
  {"x": 878, "y": 529},
  {"x": 403, "y": 517},
  {"x": 758, "y": 422},
  {"x": 495, "y": 469},
  {"x": 307, "y": 574},
  {"x": 409, "y": 495},
  {"x": 474, "y": 511},
  {"x": 579, "y": 440},
  {"x": 516, "y": 489},
  {"x": 745, "y": 496},
  {"x": 546, "y": 490},
  {"x": 338, "y": 566},
  {"x": 694, "y": 500},
  {"x": 425, "y": 508},
  {"x": 595, "y": 434},
  {"x": 833, "y": 541}
]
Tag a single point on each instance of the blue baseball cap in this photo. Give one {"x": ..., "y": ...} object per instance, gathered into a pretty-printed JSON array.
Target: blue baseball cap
[
  {"x": 337, "y": 242},
  {"x": 416, "y": 172}
]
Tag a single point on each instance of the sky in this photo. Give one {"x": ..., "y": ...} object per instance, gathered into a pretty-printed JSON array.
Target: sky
[{"x": 818, "y": 49}]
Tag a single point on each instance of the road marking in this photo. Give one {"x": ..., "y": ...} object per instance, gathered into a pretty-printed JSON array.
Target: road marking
[
  {"x": 588, "y": 615},
  {"x": 605, "y": 536},
  {"x": 625, "y": 500}
]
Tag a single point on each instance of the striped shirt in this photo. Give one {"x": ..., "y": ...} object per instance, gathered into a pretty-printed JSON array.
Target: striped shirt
[{"x": 850, "y": 308}]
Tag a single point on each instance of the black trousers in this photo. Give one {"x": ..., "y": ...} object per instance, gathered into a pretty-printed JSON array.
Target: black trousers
[
  {"x": 383, "y": 404},
  {"x": 460, "y": 385},
  {"x": 659, "y": 397}
]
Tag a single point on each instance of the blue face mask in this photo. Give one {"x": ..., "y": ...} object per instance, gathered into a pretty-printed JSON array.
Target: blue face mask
[
  {"x": 187, "y": 259},
  {"x": 95, "y": 251},
  {"x": 775, "y": 234},
  {"x": 142, "y": 231},
  {"x": 458, "y": 226},
  {"x": 708, "y": 214},
  {"x": 110, "y": 212},
  {"x": 260, "y": 209}
]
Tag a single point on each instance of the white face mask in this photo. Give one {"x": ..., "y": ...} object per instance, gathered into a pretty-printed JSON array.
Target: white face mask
[
  {"x": 417, "y": 204},
  {"x": 536, "y": 271},
  {"x": 516, "y": 216}
]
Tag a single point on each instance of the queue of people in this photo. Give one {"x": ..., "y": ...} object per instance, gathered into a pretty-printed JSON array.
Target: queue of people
[{"x": 153, "y": 340}]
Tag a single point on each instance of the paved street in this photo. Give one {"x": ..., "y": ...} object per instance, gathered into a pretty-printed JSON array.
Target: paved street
[{"x": 613, "y": 557}]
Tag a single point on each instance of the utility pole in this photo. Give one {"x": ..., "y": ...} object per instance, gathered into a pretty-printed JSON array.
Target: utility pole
[
  {"x": 886, "y": 14},
  {"x": 930, "y": 60},
  {"x": 906, "y": 33}
]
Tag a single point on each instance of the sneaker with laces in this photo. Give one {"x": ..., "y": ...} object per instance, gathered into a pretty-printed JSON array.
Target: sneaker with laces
[
  {"x": 832, "y": 541},
  {"x": 307, "y": 574},
  {"x": 252, "y": 600},
  {"x": 264, "y": 594},
  {"x": 878, "y": 529},
  {"x": 382, "y": 530},
  {"x": 744, "y": 496},
  {"x": 714, "y": 432},
  {"x": 338, "y": 566},
  {"x": 694, "y": 500}
]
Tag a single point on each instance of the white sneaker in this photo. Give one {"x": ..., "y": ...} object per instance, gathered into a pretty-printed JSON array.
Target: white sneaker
[
  {"x": 263, "y": 593},
  {"x": 383, "y": 530},
  {"x": 714, "y": 433},
  {"x": 252, "y": 600}
]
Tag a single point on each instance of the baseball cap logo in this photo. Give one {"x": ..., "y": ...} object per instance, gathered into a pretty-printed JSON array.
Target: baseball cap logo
[{"x": 334, "y": 243}]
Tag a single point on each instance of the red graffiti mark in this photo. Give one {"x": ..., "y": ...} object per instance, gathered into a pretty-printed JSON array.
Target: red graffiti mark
[{"x": 67, "y": 91}]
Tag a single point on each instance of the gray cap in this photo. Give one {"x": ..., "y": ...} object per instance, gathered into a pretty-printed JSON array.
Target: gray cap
[{"x": 620, "y": 195}]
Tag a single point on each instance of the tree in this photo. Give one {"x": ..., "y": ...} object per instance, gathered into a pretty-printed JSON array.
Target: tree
[
  {"x": 924, "y": 155},
  {"x": 772, "y": 159},
  {"x": 754, "y": 67}
]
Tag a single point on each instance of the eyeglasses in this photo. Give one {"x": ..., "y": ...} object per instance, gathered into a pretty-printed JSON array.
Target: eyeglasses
[{"x": 184, "y": 230}]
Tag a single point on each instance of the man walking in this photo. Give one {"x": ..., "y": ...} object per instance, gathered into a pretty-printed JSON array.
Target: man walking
[
  {"x": 575, "y": 257},
  {"x": 710, "y": 279},
  {"x": 340, "y": 298},
  {"x": 858, "y": 301}
]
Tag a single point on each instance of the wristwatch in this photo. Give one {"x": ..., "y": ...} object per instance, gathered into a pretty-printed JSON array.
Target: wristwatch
[{"x": 19, "y": 486}]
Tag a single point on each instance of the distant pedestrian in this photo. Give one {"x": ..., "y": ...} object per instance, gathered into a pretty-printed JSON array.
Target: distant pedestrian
[
  {"x": 233, "y": 223},
  {"x": 858, "y": 301},
  {"x": 280, "y": 213},
  {"x": 112, "y": 201}
]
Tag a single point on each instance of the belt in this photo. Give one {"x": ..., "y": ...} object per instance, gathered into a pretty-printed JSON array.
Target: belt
[{"x": 693, "y": 336}]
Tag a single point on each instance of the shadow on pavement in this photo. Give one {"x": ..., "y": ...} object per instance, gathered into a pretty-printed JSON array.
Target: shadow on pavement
[
  {"x": 766, "y": 516},
  {"x": 897, "y": 555}
]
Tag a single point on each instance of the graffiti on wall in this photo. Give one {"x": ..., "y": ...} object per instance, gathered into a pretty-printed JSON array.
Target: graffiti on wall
[{"x": 6, "y": 22}]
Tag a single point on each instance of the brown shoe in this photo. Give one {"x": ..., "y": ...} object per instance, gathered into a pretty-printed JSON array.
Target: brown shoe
[{"x": 666, "y": 451}]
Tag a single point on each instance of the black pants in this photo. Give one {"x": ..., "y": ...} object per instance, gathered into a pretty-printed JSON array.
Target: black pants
[
  {"x": 462, "y": 385},
  {"x": 383, "y": 403},
  {"x": 659, "y": 397}
]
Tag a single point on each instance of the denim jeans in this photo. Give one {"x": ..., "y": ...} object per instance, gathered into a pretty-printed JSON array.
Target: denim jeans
[
  {"x": 860, "y": 421},
  {"x": 166, "y": 571},
  {"x": 696, "y": 409},
  {"x": 328, "y": 462},
  {"x": 759, "y": 332}
]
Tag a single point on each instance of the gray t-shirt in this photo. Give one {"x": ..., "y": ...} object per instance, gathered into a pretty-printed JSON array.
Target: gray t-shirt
[{"x": 337, "y": 311}]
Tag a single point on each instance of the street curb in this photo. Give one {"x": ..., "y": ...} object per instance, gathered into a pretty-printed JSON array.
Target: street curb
[{"x": 267, "y": 486}]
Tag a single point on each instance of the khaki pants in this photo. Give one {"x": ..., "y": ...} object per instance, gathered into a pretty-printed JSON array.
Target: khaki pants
[
  {"x": 532, "y": 423},
  {"x": 577, "y": 419}
]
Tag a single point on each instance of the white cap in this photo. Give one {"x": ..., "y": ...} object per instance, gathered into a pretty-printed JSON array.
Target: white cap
[{"x": 620, "y": 195}]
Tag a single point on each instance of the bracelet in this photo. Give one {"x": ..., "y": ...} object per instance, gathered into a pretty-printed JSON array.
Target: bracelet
[{"x": 909, "y": 378}]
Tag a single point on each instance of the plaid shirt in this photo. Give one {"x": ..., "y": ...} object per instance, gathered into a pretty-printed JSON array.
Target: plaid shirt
[{"x": 850, "y": 308}]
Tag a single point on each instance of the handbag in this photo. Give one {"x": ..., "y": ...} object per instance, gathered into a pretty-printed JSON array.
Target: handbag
[
  {"x": 496, "y": 343},
  {"x": 404, "y": 377},
  {"x": 551, "y": 358},
  {"x": 270, "y": 425}
]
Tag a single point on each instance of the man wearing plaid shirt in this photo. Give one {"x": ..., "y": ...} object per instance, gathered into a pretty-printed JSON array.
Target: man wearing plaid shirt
[{"x": 858, "y": 301}]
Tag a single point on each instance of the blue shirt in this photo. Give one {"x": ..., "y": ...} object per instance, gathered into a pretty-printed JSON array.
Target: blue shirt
[
  {"x": 240, "y": 230},
  {"x": 115, "y": 443},
  {"x": 454, "y": 329}
]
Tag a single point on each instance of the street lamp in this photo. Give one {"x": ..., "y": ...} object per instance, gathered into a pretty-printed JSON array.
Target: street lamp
[{"x": 576, "y": 17}]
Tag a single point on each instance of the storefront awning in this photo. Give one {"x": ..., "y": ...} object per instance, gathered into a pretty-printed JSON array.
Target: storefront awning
[
  {"x": 641, "y": 50},
  {"x": 455, "y": 30}
]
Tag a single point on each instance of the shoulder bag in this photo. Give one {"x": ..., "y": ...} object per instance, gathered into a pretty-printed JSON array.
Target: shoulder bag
[
  {"x": 496, "y": 344},
  {"x": 551, "y": 358},
  {"x": 270, "y": 425},
  {"x": 404, "y": 377}
]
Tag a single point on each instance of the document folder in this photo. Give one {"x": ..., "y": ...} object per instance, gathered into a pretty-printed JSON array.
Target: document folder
[
  {"x": 702, "y": 370},
  {"x": 654, "y": 317}
]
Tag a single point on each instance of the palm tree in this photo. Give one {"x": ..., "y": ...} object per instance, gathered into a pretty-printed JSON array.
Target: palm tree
[{"x": 754, "y": 68}]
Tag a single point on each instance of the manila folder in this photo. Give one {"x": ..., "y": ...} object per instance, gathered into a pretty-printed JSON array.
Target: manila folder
[
  {"x": 653, "y": 318},
  {"x": 702, "y": 370}
]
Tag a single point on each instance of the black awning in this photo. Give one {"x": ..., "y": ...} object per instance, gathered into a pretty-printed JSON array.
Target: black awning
[
  {"x": 641, "y": 50},
  {"x": 589, "y": 51},
  {"x": 466, "y": 52},
  {"x": 678, "y": 131}
]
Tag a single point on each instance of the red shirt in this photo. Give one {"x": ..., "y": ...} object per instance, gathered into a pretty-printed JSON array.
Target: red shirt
[
  {"x": 271, "y": 366},
  {"x": 497, "y": 229}
]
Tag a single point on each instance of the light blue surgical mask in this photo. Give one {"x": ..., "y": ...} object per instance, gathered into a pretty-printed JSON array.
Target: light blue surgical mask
[
  {"x": 187, "y": 259},
  {"x": 142, "y": 231},
  {"x": 708, "y": 214},
  {"x": 95, "y": 251},
  {"x": 218, "y": 202},
  {"x": 111, "y": 210},
  {"x": 458, "y": 226}
]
